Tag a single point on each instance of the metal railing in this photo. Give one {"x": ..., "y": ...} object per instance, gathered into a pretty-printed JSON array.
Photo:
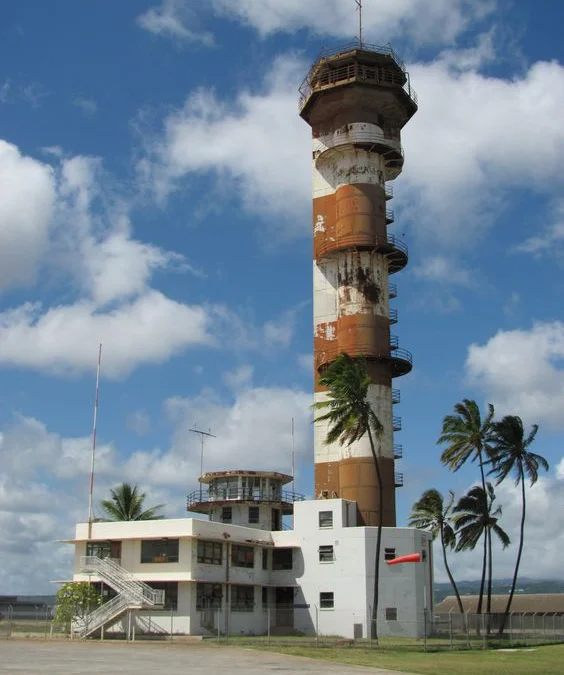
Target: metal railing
[
  {"x": 398, "y": 479},
  {"x": 121, "y": 580},
  {"x": 389, "y": 216},
  {"x": 396, "y": 423},
  {"x": 392, "y": 242},
  {"x": 364, "y": 137},
  {"x": 396, "y": 396},
  {"x": 402, "y": 355},
  {"x": 392, "y": 291},
  {"x": 393, "y": 315},
  {"x": 107, "y": 612},
  {"x": 319, "y": 77},
  {"x": 398, "y": 451},
  {"x": 243, "y": 494},
  {"x": 388, "y": 191},
  {"x": 394, "y": 342}
]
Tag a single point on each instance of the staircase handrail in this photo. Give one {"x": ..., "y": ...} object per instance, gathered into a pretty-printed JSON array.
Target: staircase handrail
[
  {"x": 104, "y": 613},
  {"x": 122, "y": 580}
]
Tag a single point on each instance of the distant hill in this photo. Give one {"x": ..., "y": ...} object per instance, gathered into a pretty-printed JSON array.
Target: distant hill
[{"x": 501, "y": 586}]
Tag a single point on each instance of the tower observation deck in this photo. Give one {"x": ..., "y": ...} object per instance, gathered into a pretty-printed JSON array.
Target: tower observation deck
[{"x": 357, "y": 98}]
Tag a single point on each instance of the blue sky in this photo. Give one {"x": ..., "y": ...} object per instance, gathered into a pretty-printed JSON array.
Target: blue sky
[{"x": 155, "y": 197}]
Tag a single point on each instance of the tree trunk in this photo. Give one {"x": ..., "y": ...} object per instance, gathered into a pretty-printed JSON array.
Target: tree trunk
[
  {"x": 490, "y": 571},
  {"x": 374, "y": 623},
  {"x": 484, "y": 562},
  {"x": 518, "y": 561},
  {"x": 449, "y": 574}
]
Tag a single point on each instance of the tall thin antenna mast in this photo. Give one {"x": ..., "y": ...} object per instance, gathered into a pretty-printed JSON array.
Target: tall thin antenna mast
[
  {"x": 359, "y": 7},
  {"x": 203, "y": 434},
  {"x": 293, "y": 458},
  {"x": 91, "y": 491}
]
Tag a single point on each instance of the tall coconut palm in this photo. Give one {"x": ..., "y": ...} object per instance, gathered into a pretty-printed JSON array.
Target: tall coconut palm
[
  {"x": 467, "y": 437},
  {"x": 351, "y": 417},
  {"x": 430, "y": 513},
  {"x": 512, "y": 457},
  {"x": 474, "y": 520},
  {"x": 126, "y": 503}
]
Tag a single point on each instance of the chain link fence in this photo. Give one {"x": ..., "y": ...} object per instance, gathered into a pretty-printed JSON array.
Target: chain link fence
[{"x": 303, "y": 627}]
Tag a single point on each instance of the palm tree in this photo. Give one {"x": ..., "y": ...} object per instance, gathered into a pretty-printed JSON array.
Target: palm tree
[
  {"x": 468, "y": 438},
  {"x": 350, "y": 417},
  {"x": 430, "y": 513},
  {"x": 512, "y": 457},
  {"x": 126, "y": 503},
  {"x": 475, "y": 520}
]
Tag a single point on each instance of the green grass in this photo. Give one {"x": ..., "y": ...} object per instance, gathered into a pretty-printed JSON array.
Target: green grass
[{"x": 541, "y": 661}]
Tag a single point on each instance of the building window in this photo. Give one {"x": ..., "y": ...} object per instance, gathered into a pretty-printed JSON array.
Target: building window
[
  {"x": 282, "y": 559},
  {"x": 208, "y": 596},
  {"x": 326, "y": 554},
  {"x": 391, "y": 613},
  {"x": 326, "y": 519},
  {"x": 253, "y": 514},
  {"x": 226, "y": 514},
  {"x": 210, "y": 552},
  {"x": 242, "y": 556},
  {"x": 326, "y": 600},
  {"x": 100, "y": 549},
  {"x": 264, "y": 558},
  {"x": 389, "y": 553},
  {"x": 242, "y": 598},
  {"x": 170, "y": 589},
  {"x": 264, "y": 598},
  {"x": 159, "y": 551}
]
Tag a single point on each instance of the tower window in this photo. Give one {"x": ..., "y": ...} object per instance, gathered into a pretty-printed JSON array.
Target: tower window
[
  {"x": 391, "y": 613},
  {"x": 326, "y": 519},
  {"x": 253, "y": 514},
  {"x": 389, "y": 553},
  {"x": 226, "y": 514},
  {"x": 326, "y": 600},
  {"x": 326, "y": 554}
]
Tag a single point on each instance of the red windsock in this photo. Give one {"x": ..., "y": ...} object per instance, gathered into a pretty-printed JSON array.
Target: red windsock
[{"x": 412, "y": 557}]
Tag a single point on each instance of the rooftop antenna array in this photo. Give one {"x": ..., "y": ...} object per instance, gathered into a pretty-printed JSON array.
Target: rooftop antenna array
[
  {"x": 359, "y": 8},
  {"x": 91, "y": 491},
  {"x": 203, "y": 435}
]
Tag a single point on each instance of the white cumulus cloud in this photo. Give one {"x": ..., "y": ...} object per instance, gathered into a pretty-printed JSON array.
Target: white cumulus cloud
[{"x": 521, "y": 372}]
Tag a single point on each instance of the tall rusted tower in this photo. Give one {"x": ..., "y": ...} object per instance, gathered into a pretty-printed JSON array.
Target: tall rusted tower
[{"x": 357, "y": 99}]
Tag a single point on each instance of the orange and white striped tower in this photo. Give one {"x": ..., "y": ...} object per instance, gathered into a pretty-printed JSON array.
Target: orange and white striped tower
[{"x": 357, "y": 99}]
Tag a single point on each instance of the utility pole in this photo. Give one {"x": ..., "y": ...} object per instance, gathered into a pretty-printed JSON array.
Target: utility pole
[
  {"x": 91, "y": 491},
  {"x": 203, "y": 434}
]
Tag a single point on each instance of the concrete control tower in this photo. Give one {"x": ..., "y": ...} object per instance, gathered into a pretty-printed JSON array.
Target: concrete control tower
[{"x": 356, "y": 99}]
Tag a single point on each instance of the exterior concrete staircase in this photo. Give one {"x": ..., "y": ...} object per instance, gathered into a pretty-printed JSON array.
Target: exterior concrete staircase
[{"x": 131, "y": 593}]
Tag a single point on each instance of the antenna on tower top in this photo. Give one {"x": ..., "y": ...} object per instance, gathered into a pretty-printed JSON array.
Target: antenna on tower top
[
  {"x": 359, "y": 8},
  {"x": 202, "y": 434}
]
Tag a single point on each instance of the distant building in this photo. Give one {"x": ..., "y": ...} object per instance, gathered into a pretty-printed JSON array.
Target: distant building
[{"x": 235, "y": 573}]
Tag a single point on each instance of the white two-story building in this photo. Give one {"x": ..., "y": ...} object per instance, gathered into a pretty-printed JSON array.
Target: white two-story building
[{"x": 241, "y": 573}]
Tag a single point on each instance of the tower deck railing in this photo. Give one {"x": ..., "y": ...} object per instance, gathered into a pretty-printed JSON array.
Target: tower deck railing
[
  {"x": 242, "y": 494},
  {"x": 319, "y": 78}
]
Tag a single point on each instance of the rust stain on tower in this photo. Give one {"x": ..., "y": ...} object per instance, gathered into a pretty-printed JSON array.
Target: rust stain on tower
[{"x": 357, "y": 99}]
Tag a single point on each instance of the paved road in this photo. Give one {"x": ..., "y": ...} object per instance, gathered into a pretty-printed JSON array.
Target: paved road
[{"x": 30, "y": 657}]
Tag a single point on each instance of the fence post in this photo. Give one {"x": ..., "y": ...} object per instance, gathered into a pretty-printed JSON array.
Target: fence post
[
  {"x": 484, "y": 641},
  {"x": 467, "y": 626},
  {"x": 268, "y": 624},
  {"x": 171, "y": 623},
  {"x": 450, "y": 629},
  {"x": 425, "y": 630},
  {"x": 218, "y": 618}
]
